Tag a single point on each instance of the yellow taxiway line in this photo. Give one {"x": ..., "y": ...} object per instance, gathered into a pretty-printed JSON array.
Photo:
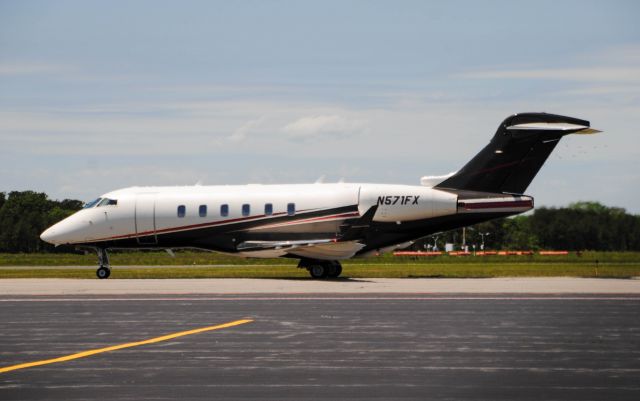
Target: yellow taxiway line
[{"x": 121, "y": 346}]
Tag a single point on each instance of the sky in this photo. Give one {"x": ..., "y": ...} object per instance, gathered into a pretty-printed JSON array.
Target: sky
[{"x": 97, "y": 95}]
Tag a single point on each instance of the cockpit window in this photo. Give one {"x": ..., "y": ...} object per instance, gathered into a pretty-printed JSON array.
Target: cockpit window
[
  {"x": 92, "y": 203},
  {"x": 107, "y": 202}
]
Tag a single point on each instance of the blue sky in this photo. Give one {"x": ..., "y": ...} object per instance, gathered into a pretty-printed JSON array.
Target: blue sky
[{"x": 96, "y": 96}]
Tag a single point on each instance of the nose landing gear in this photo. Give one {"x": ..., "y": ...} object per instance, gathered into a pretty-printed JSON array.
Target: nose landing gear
[{"x": 104, "y": 269}]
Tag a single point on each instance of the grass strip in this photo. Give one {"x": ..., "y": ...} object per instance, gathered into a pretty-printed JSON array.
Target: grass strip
[
  {"x": 197, "y": 258},
  {"x": 403, "y": 270}
]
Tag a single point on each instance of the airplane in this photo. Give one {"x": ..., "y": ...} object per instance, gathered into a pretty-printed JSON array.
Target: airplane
[{"x": 321, "y": 224}]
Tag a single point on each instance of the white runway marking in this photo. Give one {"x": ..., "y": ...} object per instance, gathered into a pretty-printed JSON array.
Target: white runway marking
[{"x": 329, "y": 298}]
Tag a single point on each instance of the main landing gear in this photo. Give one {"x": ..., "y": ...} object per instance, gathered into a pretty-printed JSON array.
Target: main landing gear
[
  {"x": 104, "y": 269},
  {"x": 320, "y": 269}
]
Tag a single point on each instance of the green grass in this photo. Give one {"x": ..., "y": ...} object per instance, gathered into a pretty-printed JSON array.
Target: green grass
[
  {"x": 182, "y": 258},
  {"x": 192, "y": 264},
  {"x": 133, "y": 258}
]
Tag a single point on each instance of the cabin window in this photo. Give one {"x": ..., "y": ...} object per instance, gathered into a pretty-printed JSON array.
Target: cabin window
[
  {"x": 224, "y": 210},
  {"x": 291, "y": 209},
  {"x": 246, "y": 209},
  {"x": 182, "y": 210},
  {"x": 202, "y": 210},
  {"x": 268, "y": 209}
]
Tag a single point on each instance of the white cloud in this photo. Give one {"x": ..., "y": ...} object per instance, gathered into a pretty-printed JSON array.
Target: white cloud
[
  {"x": 617, "y": 55},
  {"x": 613, "y": 65},
  {"x": 322, "y": 125},
  {"x": 620, "y": 89},
  {"x": 590, "y": 74},
  {"x": 241, "y": 133},
  {"x": 32, "y": 68}
]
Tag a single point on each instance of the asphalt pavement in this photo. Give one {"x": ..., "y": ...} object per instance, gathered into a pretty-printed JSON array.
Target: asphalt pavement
[{"x": 323, "y": 346}]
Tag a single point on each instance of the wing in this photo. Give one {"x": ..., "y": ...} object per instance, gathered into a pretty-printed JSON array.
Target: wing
[
  {"x": 325, "y": 249},
  {"x": 346, "y": 245}
]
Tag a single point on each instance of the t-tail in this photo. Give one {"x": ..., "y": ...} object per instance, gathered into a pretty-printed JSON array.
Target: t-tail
[{"x": 521, "y": 145}]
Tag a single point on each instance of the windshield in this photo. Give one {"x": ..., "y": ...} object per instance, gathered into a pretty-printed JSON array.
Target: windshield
[
  {"x": 107, "y": 201},
  {"x": 91, "y": 204}
]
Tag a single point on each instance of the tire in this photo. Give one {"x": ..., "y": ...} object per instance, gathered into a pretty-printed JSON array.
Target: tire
[
  {"x": 318, "y": 271},
  {"x": 103, "y": 272},
  {"x": 337, "y": 270}
]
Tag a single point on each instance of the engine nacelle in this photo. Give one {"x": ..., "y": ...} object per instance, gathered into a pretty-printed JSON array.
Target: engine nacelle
[{"x": 405, "y": 202}]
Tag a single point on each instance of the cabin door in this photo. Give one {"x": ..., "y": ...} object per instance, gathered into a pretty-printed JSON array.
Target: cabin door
[{"x": 146, "y": 219}]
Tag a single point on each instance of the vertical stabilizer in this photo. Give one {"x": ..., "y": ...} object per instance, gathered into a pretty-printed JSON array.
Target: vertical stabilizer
[{"x": 517, "y": 151}]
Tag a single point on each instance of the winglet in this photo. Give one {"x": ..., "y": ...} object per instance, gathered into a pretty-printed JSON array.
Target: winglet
[{"x": 588, "y": 131}]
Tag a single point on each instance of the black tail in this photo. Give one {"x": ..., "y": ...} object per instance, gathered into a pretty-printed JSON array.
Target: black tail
[{"x": 516, "y": 153}]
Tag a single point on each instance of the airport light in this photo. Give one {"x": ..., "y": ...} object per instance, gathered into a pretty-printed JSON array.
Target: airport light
[{"x": 482, "y": 235}]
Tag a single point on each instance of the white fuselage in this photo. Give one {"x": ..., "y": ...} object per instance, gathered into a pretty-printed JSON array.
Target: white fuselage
[{"x": 149, "y": 211}]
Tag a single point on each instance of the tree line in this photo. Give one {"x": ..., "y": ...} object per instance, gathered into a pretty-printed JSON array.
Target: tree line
[
  {"x": 578, "y": 227},
  {"x": 24, "y": 215}
]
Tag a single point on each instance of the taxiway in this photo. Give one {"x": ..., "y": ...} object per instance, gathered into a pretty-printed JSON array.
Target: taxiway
[{"x": 322, "y": 345}]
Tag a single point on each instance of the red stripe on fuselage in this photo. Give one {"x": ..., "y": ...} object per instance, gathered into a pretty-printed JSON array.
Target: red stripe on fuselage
[
  {"x": 310, "y": 220},
  {"x": 498, "y": 205},
  {"x": 212, "y": 224}
]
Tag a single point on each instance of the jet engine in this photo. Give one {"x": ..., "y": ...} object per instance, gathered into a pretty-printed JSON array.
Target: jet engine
[{"x": 406, "y": 203}]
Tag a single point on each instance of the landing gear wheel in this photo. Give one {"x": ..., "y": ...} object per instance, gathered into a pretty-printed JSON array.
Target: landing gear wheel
[
  {"x": 103, "y": 272},
  {"x": 335, "y": 269},
  {"x": 318, "y": 271},
  {"x": 103, "y": 264}
]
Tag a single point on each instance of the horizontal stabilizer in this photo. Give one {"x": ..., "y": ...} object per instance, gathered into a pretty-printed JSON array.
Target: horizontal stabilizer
[
  {"x": 576, "y": 128},
  {"x": 433, "y": 180}
]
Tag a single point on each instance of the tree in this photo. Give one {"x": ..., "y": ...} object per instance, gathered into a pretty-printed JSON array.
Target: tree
[
  {"x": 586, "y": 226},
  {"x": 24, "y": 215},
  {"x": 518, "y": 234}
]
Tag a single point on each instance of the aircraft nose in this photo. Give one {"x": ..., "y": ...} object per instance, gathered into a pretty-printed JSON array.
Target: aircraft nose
[
  {"x": 68, "y": 231},
  {"x": 49, "y": 235}
]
